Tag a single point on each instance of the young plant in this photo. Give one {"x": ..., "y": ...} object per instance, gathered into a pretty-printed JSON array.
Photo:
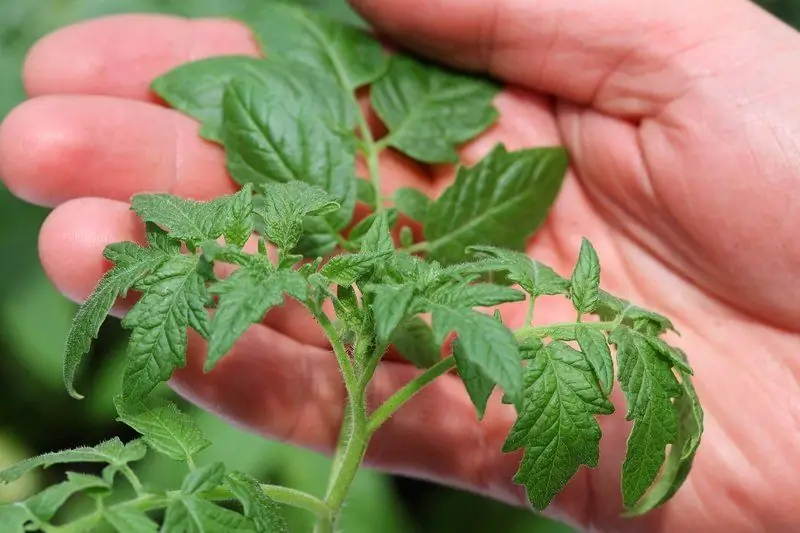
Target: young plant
[{"x": 291, "y": 128}]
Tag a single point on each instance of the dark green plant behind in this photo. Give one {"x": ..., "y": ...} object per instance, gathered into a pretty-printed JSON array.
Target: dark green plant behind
[{"x": 37, "y": 416}]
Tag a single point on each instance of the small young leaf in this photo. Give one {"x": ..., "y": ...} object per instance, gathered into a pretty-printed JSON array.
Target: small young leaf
[
  {"x": 557, "y": 426},
  {"x": 649, "y": 386},
  {"x": 320, "y": 44},
  {"x": 594, "y": 345},
  {"x": 197, "y": 89},
  {"x": 164, "y": 428},
  {"x": 204, "y": 478},
  {"x": 500, "y": 201},
  {"x": 487, "y": 343},
  {"x": 378, "y": 239},
  {"x": 610, "y": 307},
  {"x": 681, "y": 455},
  {"x": 356, "y": 235},
  {"x": 537, "y": 279},
  {"x": 285, "y": 205},
  {"x": 474, "y": 295},
  {"x": 129, "y": 520},
  {"x": 267, "y": 140},
  {"x": 406, "y": 237},
  {"x": 412, "y": 202},
  {"x": 479, "y": 387},
  {"x": 430, "y": 111},
  {"x": 390, "y": 308},
  {"x": 44, "y": 505},
  {"x": 174, "y": 297},
  {"x": 585, "y": 282},
  {"x": 260, "y": 508},
  {"x": 349, "y": 268},
  {"x": 414, "y": 340},
  {"x": 190, "y": 514},
  {"x": 365, "y": 192},
  {"x": 113, "y": 452}
]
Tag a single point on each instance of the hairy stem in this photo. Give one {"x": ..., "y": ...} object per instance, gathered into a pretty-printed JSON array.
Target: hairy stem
[
  {"x": 133, "y": 479},
  {"x": 345, "y": 364},
  {"x": 399, "y": 398}
]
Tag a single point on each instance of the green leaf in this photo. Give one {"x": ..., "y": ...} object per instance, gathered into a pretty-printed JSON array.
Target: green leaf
[
  {"x": 682, "y": 453},
  {"x": 585, "y": 281},
  {"x": 358, "y": 232},
  {"x": 174, "y": 297},
  {"x": 190, "y": 514},
  {"x": 535, "y": 278},
  {"x": 197, "y": 89},
  {"x": 474, "y": 295},
  {"x": 204, "y": 478},
  {"x": 594, "y": 345},
  {"x": 390, "y": 308},
  {"x": 244, "y": 299},
  {"x": 260, "y": 508},
  {"x": 346, "y": 306},
  {"x": 500, "y": 201},
  {"x": 378, "y": 239},
  {"x": 267, "y": 140},
  {"x": 129, "y": 520},
  {"x": 430, "y": 111},
  {"x": 412, "y": 202},
  {"x": 610, "y": 308},
  {"x": 557, "y": 427},
  {"x": 285, "y": 206},
  {"x": 195, "y": 222},
  {"x": 14, "y": 517},
  {"x": 649, "y": 386},
  {"x": 132, "y": 263},
  {"x": 164, "y": 428},
  {"x": 344, "y": 53},
  {"x": 346, "y": 269},
  {"x": 414, "y": 340},
  {"x": 113, "y": 452},
  {"x": 365, "y": 192},
  {"x": 670, "y": 354},
  {"x": 479, "y": 387},
  {"x": 487, "y": 343},
  {"x": 44, "y": 505}
]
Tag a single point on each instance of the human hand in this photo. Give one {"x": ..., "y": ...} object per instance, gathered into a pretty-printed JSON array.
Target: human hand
[{"x": 655, "y": 110}]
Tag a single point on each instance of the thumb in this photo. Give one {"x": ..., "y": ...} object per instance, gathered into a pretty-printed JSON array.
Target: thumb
[{"x": 624, "y": 57}]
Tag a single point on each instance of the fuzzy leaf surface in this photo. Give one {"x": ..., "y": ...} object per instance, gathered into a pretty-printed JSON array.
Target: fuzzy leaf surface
[
  {"x": 414, "y": 340},
  {"x": 535, "y": 278},
  {"x": 260, "y": 508}
]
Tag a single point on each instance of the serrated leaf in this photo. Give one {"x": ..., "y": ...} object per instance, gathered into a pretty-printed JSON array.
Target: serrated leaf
[
  {"x": 346, "y": 269},
  {"x": 195, "y": 222},
  {"x": 190, "y": 514},
  {"x": 197, "y": 89},
  {"x": 536, "y": 278},
  {"x": 356, "y": 235},
  {"x": 44, "y": 505},
  {"x": 487, "y": 343},
  {"x": 594, "y": 345},
  {"x": 474, "y": 295},
  {"x": 378, "y": 239},
  {"x": 682, "y": 453},
  {"x": 244, "y": 299},
  {"x": 113, "y": 452},
  {"x": 412, "y": 202},
  {"x": 649, "y": 385},
  {"x": 500, "y": 201},
  {"x": 267, "y": 140},
  {"x": 390, "y": 307},
  {"x": 129, "y": 520},
  {"x": 286, "y": 205},
  {"x": 556, "y": 427},
  {"x": 346, "y": 306},
  {"x": 414, "y": 340},
  {"x": 174, "y": 297},
  {"x": 478, "y": 386},
  {"x": 132, "y": 263},
  {"x": 320, "y": 44},
  {"x": 260, "y": 508},
  {"x": 164, "y": 428},
  {"x": 585, "y": 281},
  {"x": 204, "y": 478},
  {"x": 430, "y": 110}
]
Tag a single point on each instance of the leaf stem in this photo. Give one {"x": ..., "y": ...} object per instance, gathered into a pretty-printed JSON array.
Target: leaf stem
[
  {"x": 133, "y": 479},
  {"x": 399, "y": 398},
  {"x": 531, "y": 307},
  {"x": 421, "y": 246},
  {"x": 345, "y": 364}
]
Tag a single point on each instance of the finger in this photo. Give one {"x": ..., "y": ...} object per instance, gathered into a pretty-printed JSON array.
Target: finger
[
  {"x": 57, "y": 148},
  {"x": 121, "y": 55},
  {"x": 629, "y": 58}
]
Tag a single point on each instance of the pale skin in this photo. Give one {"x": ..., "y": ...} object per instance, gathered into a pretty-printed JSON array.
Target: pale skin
[{"x": 681, "y": 118}]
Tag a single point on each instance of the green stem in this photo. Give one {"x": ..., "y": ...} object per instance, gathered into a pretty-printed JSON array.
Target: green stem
[
  {"x": 133, "y": 479},
  {"x": 399, "y": 398},
  {"x": 346, "y": 365},
  {"x": 531, "y": 306},
  {"x": 422, "y": 246}
]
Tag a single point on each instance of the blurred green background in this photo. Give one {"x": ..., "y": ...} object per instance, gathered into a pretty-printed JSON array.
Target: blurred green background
[{"x": 37, "y": 416}]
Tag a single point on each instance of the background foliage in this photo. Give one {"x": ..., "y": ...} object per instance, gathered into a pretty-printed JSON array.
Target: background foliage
[{"x": 37, "y": 416}]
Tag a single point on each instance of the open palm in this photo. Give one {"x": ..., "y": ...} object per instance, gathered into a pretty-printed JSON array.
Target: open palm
[{"x": 679, "y": 119}]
